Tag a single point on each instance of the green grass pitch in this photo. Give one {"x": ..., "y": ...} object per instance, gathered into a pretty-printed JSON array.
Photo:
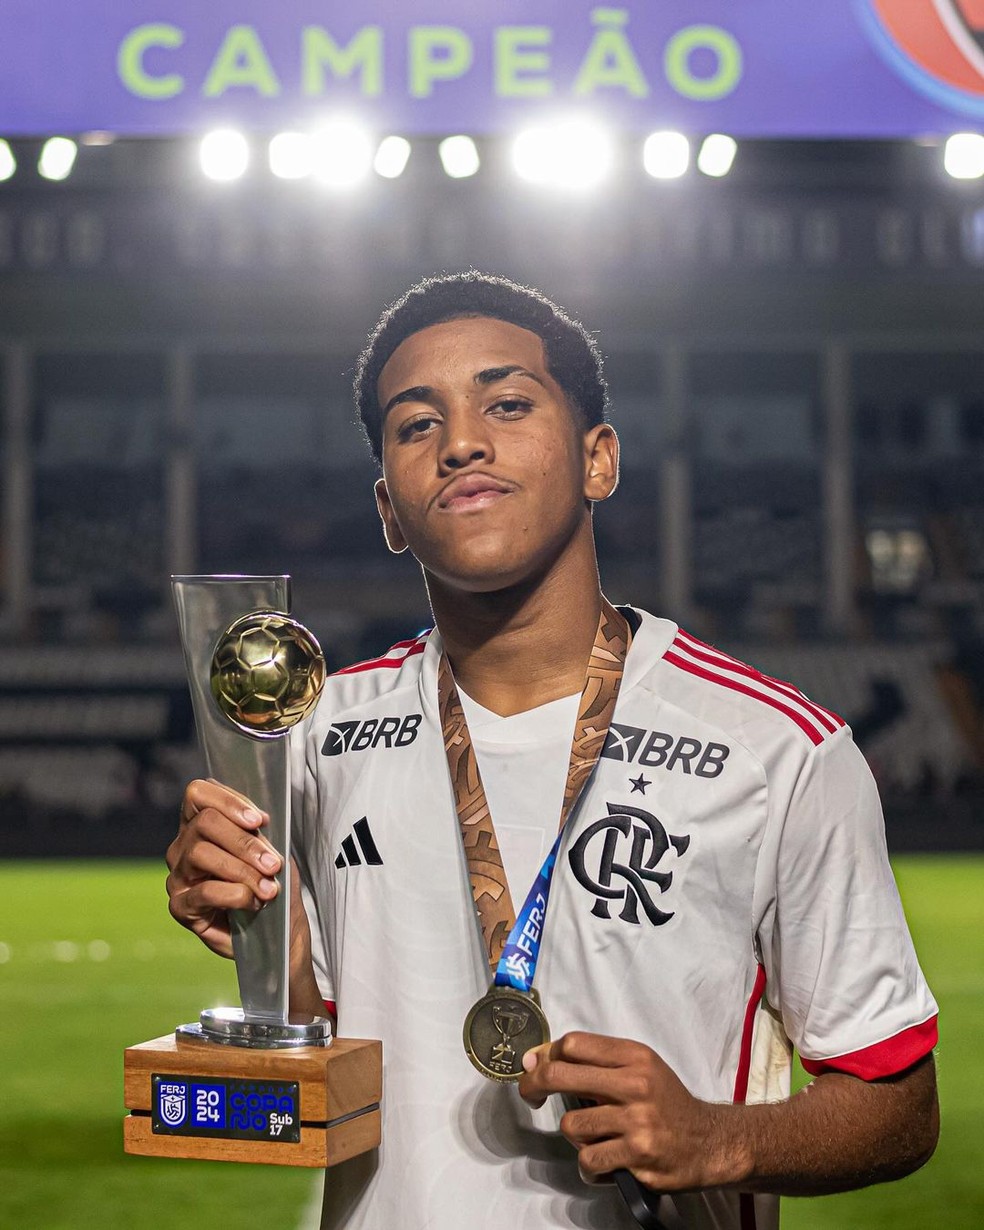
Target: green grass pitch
[{"x": 90, "y": 962}]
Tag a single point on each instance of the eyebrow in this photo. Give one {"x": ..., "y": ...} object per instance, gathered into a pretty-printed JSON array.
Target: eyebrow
[
  {"x": 487, "y": 376},
  {"x": 419, "y": 392},
  {"x": 491, "y": 375}
]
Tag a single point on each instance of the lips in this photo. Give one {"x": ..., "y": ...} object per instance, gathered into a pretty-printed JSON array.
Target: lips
[{"x": 473, "y": 491}]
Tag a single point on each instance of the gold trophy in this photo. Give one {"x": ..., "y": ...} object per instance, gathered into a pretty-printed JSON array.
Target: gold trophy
[{"x": 252, "y": 1084}]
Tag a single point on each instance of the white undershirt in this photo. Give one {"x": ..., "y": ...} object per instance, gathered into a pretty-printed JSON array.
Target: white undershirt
[{"x": 523, "y": 761}]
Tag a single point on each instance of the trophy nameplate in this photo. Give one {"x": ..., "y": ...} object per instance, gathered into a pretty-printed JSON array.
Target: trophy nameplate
[{"x": 254, "y": 1083}]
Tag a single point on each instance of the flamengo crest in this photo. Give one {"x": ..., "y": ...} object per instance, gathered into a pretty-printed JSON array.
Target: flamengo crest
[{"x": 616, "y": 860}]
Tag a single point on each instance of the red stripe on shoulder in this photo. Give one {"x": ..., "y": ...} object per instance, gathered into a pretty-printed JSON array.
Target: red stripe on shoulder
[
  {"x": 406, "y": 644},
  {"x": 708, "y": 653},
  {"x": 726, "y": 662},
  {"x": 886, "y": 1058},
  {"x": 402, "y": 649},
  {"x": 811, "y": 732}
]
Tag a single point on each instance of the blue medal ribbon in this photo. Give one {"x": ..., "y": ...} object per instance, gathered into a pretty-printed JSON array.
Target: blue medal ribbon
[{"x": 517, "y": 965}]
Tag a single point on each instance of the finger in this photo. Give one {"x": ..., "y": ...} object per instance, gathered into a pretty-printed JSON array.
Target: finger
[
  {"x": 249, "y": 847},
  {"x": 594, "y": 1179},
  {"x": 585, "y": 1081},
  {"x": 528, "y": 1089},
  {"x": 597, "y": 1161},
  {"x": 196, "y": 907},
  {"x": 593, "y": 1123},
  {"x": 238, "y": 794},
  {"x": 201, "y": 794},
  {"x": 579, "y": 1046},
  {"x": 533, "y": 1056},
  {"x": 210, "y": 862}
]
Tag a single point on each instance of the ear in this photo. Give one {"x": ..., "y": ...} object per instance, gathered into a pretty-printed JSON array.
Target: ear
[
  {"x": 600, "y": 462},
  {"x": 391, "y": 527}
]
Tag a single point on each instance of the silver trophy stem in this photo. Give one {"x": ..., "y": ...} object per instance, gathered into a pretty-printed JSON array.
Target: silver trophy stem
[{"x": 257, "y": 768}]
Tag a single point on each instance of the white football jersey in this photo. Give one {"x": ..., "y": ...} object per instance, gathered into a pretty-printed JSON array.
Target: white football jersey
[
  {"x": 722, "y": 893},
  {"x": 510, "y": 752}
]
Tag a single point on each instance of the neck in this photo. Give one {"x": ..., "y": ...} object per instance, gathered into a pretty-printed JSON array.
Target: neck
[{"x": 517, "y": 648}]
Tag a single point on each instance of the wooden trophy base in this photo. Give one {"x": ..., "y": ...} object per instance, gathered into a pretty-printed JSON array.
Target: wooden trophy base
[{"x": 199, "y": 1099}]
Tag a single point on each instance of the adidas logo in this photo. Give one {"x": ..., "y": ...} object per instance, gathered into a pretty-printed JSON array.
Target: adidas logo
[{"x": 359, "y": 848}]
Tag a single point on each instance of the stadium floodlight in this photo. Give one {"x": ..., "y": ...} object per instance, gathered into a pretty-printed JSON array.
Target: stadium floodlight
[
  {"x": 392, "y": 157},
  {"x": 342, "y": 154},
  {"x": 290, "y": 155},
  {"x": 224, "y": 154},
  {"x": 97, "y": 137},
  {"x": 459, "y": 157},
  {"x": 570, "y": 154},
  {"x": 717, "y": 155},
  {"x": 57, "y": 158},
  {"x": 963, "y": 156},
  {"x": 666, "y": 155},
  {"x": 8, "y": 163}
]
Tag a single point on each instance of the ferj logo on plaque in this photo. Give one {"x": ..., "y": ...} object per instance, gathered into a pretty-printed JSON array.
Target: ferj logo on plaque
[
  {"x": 254, "y": 1083},
  {"x": 172, "y": 1102}
]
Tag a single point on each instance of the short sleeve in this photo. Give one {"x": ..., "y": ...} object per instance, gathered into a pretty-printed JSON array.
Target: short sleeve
[{"x": 840, "y": 963}]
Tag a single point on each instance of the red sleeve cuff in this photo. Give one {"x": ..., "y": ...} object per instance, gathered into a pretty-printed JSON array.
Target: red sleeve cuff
[
  {"x": 332, "y": 1010},
  {"x": 886, "y": 1058}
]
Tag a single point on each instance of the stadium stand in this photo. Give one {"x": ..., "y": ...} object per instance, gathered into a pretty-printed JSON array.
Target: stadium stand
[
  {"x": 737, "y": 546},
  {"x": 802, "y": 471},
  {"x": 968, "y": 529},
  {"x": 918, "y": 736},
  {"x": 94, "y": 741}
]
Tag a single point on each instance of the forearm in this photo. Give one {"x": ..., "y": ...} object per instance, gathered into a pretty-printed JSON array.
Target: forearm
[
  {"x": 305, "y": 998},
  {"x": 837, "y": 1134}
]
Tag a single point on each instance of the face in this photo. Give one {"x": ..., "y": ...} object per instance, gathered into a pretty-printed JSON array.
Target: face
[{"x": 486, "y": 468}]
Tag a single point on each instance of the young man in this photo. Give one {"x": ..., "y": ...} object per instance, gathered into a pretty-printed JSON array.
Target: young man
[{"x": 720, "y": 890}]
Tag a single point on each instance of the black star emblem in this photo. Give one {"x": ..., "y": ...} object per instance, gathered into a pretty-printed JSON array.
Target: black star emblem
[{"x": 639, "y": 784}]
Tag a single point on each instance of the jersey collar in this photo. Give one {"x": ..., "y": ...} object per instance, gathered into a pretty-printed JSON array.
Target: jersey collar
[{"x": 650, "y": 642}]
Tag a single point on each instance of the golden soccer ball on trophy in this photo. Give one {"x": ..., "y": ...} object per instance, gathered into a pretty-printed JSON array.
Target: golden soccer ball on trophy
[{"x": 267, "y": 673}]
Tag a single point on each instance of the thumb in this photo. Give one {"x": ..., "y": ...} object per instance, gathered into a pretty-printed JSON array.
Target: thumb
[{"x": 532, "y": 1056}]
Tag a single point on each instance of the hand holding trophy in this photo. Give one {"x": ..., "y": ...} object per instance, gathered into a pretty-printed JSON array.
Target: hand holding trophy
[{"x": 254, "y": 1083}]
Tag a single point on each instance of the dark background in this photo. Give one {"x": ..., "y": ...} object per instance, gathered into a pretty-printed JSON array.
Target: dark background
[{"x": 796, "y": 358}]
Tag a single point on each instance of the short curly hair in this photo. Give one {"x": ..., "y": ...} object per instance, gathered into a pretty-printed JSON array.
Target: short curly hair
[{"x": 573, "y": 357}]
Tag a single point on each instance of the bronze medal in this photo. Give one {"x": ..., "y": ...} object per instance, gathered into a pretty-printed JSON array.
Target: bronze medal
[{"x": 501, "y": 1028}]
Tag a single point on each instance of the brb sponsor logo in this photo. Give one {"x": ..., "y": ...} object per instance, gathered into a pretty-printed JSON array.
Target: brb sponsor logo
[
  {"x": 937, "y": 45},
  {"x": 617, "y": 859},
  {"x": 654, "y": 749},
  {"x": 372, "y": 733}
]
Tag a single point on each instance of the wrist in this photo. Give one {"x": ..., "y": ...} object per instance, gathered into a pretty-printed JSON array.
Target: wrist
[{"x": 728, "y": 1147}]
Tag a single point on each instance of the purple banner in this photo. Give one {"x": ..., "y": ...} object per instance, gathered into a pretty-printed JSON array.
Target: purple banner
[{"x": 754, "y": 68}]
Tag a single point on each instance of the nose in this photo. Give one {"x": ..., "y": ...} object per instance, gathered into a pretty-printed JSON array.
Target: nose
[{"x": 465, "y": 440}]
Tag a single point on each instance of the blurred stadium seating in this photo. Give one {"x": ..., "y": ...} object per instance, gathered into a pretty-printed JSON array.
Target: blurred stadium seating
[{"x": 802, "y": 427}]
